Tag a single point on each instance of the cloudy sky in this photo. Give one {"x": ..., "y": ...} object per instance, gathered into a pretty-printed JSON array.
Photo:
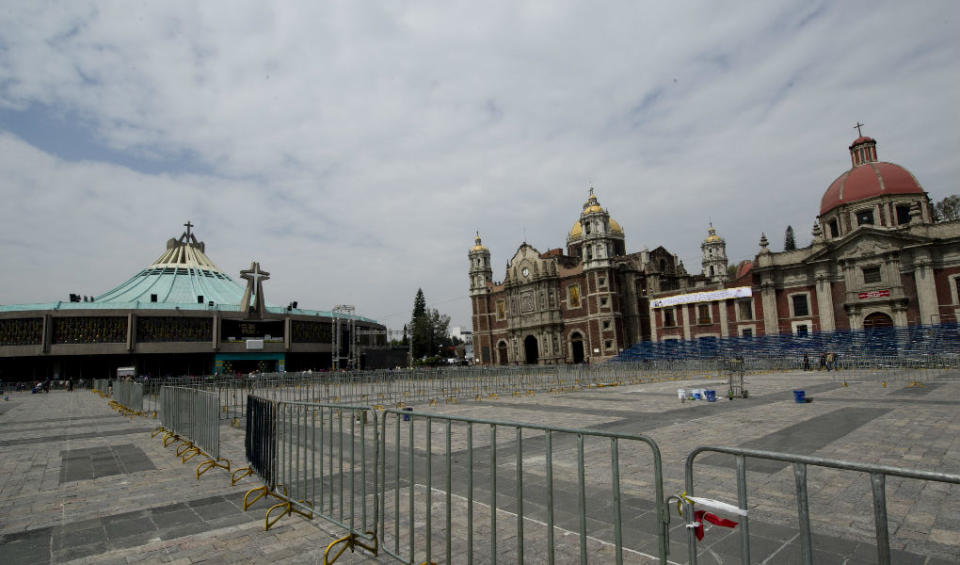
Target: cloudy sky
[{"x": 354, "y": 147}]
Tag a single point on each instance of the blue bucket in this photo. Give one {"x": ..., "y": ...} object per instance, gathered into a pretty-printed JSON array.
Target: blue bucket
[
  {"x": 799, "y": 396},
  {"x": 711, "y": 395}
]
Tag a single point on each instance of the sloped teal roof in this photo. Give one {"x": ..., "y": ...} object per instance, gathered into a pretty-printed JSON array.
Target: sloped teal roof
[
  {"x": 175, "y": 285},
  {"x": 182, "y": 278},
  {"x": 183, "y": 274}
]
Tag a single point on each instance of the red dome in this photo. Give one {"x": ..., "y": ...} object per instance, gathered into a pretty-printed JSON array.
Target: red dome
[
  {"x": 862, "y": 139},
  {"x": 866, "y": 181}
]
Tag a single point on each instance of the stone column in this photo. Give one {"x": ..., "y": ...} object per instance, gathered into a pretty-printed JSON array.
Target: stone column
[
  {"x": 131, "y": 331},
  {"x": 46, "y": 337},
  {"x": 653, "y": 323},
  {"x": 685, "y": 312},
  {"x": 771, "y": 318},
  {"x": 724, "y": 330},
  {"x": 926, "y": 288},
  {"x": 287, "y": 328},
  {"x": 900, "y": 315},
  {"x": 825, "y": 300}
]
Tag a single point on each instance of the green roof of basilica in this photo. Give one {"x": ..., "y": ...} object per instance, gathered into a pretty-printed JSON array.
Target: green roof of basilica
[{"x": 182, "y": 278}]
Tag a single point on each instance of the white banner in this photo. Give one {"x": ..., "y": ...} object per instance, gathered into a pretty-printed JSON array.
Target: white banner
[{"x": 707, "y": 296}]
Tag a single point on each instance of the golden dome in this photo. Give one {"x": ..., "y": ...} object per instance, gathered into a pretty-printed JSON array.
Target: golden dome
[
  {"x": 477, "y": 245},
  {"x": 713, "y": 237},
  {"x": 576, "y": 231},
  {"x": 615, "y": 227}
]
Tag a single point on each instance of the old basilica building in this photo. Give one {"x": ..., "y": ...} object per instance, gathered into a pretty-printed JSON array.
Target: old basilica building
[
  {"x": 878, "y": 259},
  {"x": 585, "y": 304}
]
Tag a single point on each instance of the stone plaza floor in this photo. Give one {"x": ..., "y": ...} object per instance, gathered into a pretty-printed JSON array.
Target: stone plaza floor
[{"x": 80, "y": 483}]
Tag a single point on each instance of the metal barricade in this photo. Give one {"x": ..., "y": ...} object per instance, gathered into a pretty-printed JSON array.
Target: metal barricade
[
  {"x": 129, "y": 395},
  {"x": 316, "y": 459},
  {"x": 878, "y": 475},
  {"x": 101, "y": 386},
  {"x": 473, "y": 479},
  {"x": 191, "y": 415}
]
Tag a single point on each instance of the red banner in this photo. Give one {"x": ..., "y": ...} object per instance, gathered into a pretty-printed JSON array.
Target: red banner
[{"x": 873, "y": 294}]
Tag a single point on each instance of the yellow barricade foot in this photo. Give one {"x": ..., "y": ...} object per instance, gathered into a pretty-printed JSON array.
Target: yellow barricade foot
[
  {"x": 350, "y": 541},
  {"x": 210, "y": 464},
  {"x": 239, "y": 474}
]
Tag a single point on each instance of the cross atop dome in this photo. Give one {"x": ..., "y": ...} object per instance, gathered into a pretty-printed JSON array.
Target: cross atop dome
[
  {"x": 863, "y": 150},
  {"x": 858, "y": 126},
  {"x": 188, "y": 236}
]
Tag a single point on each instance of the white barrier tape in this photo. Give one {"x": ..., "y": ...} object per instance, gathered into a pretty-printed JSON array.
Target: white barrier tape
[{"x": 718, "y": 505}]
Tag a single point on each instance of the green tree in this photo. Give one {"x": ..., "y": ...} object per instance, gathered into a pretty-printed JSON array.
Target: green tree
[
  {"x": 439, "y": 331},
  {"x": 789, "y": 243},
  {"x": 421, "y": 332},
  {"x": 948, "y": 209}
]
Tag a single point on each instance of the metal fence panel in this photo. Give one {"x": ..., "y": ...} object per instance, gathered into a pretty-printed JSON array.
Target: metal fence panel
[
  {"x": 877, "y": 474},
  {"x": 506, "y": 469},
  {"x": 129, "y": 395},
  {"x": 192, "y": 414},
  {"x": 317, "y": 459}
]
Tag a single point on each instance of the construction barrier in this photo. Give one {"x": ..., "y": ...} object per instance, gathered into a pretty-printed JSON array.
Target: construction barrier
[{"x": 739, "y": 508}]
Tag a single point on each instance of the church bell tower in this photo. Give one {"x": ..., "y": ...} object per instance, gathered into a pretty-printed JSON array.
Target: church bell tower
[
  {"x": 481, "y": 272},
  {"x": 714, "y": 257}
]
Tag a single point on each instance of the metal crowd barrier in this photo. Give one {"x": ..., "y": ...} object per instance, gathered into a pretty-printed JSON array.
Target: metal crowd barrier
[
  {"x": 410, "y": 478},
  {"x": 454, "y": 384},
  {"x": 101, "y": 386},
  {"x": 129, "y": 395},
  {"x": 377, "y": 477},
  {"x": 191, "y": 416},
  {"x": 316, "y": 459},
  {"x": 878, "y": 475}
]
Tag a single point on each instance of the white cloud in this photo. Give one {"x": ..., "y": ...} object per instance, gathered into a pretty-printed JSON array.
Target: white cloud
[{"x": 354, "y": 149}]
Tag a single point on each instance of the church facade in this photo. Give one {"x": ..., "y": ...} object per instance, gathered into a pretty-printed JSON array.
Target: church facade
[
  {"x": 878, "y": 259},
  {"x": 584, "y": 304}
]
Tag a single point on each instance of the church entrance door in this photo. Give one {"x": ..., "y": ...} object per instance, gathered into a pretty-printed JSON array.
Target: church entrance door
[
  {"x": 576, "y": 343},
  {"x": 877, "y": 320},
  {"x": 502, "y": 353},
  {"x": 530, "y": 348}
]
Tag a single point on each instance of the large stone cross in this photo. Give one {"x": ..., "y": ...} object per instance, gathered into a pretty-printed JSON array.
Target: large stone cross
[{"x": 254, "y": 277}]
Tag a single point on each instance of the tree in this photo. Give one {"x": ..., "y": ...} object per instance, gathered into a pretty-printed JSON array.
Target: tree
[
  {"x": 428, "y": 330},
  {"x": 789, "y": 243},
  {"x": 439, "y": 324},
  {"x": 948, "y": 209},
  {"x": 421, "y": 333}
]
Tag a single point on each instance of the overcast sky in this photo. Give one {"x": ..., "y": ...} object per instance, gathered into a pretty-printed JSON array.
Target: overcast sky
[{"x": 354, "y": 148}]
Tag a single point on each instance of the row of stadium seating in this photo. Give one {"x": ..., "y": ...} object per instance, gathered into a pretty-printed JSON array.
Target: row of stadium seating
[{"x": 915, "y": 342}]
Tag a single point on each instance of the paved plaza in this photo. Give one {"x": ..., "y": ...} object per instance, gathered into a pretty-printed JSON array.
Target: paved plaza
[{"x": 81, "y": 483}]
